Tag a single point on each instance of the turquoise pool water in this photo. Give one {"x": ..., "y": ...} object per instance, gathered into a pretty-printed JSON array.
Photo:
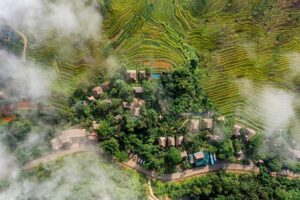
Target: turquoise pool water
[{"x": 155, "y": 75}]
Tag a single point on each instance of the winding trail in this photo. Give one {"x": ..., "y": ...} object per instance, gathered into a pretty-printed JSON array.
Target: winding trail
[
  {"x": 57, "y": 154},
  {"x": 152, "y": 196},
  {"x": 25, "y": 40},
  {"x": 174, "y": 177},
  {"x": 201, "y": 171}
]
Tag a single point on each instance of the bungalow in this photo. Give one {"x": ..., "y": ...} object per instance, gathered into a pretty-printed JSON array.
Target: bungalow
[
  {"x": 171, "y": 142},
  {"x": 250, "y": 133},
  {"x": 106, "y": 86},
  {"x": 215, "y": 138},
  {"x": 194, "y": 125},
  {"x": 240, "y": 155},
  {"x": 138, "y": 102},
  {"x": 162, "y": 142},
  {"x": 138, "y": 91},
  {"x": 126, "y": 105},
  {"x": 136, "y": 111},
  {"x": 199, "y": 159},
  {"x": 91, "y": 98},
  {"x": 142, "y": 75},
  {"x": 118, "y": 118},
  {"x": 179, "y": 140},
  {"x": 184, "y": 155},
  {"x": 56, "y": 144},
  {"x": 131, "y": 75},
  {"x": 236, "y": 130},
  {"x": 208, "y": 123},
  {"x": 97, "y": 91},
  {"x": 68, "y": 136}
]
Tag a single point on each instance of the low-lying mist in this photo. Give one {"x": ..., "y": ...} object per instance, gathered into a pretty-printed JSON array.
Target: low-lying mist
[
  {"x": 81, "y": 176},
  {"x": 40, "y": 18},
  {"x": 272, "y": 110}
]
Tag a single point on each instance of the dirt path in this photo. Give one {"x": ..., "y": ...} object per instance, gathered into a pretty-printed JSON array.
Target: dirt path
[
  {"x": 25, "y": 43},
  {"x": 174, "y": 177},
  {"x": 57, "y": 154},
  {"x": 179, "y": 176},
  {"x": 152, "y": 196}
]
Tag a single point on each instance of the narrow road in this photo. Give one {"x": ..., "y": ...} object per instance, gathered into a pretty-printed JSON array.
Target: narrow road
[
  {"x": 179, "y": 176},
  {"x": 152, "y": 196},
  {"x": 174, "y": 177},
  {"x": 57, "y": 154},
  {"x": 25, "y": 43}
]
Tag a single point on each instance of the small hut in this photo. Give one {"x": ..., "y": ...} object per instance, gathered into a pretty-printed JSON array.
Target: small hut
[
  {"x": 162, "y": 142},
  {"x": 97, "y": 91},
  {"x": 171, "y": 142}
]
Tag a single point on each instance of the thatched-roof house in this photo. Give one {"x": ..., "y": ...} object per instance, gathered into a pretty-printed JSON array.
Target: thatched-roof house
[
  {"x": 97, "y": 91},
  {"x": 171, "y": 142},
  {"x": 162, "y": 141},
  {"x": 250, "y": 133},
  {"x": 179, "y": 140},
  {"x": 136, "y": 111},
  {"x": 208, "y": 123},
  {"x": 138, "y": 91},
  {"x": 199, "y": 155},
  {"x": 67, "y": 136},
  {"x": 184, "y": 155},
  {"x": 56, "y": 144},
  {"x": 236, "y": 130},
  {"x": 194, "y": 125},
  {"x": 131, "y": 75},
  {"x": 142, "y": 75}
]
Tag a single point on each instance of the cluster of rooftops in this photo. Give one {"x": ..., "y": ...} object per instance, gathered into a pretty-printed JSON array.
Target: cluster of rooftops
[
  {"x": 249, "y": 132},
  {"x": 131, "y": 76},
  {"x": 195, "y": 125}
]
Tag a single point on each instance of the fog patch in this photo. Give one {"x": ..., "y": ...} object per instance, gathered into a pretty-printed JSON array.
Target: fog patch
[
  {"x": 82, "y": 176},
  {"x": 24, "y": 80},
  {"x": 274, "y": 107},
  {"x": 277, "y": 108},
  {"x": 6, "y": 162},
  {"x": 65, "y": 18}
]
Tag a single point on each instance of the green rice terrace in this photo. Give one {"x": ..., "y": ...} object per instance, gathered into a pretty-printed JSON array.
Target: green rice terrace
[{"x": 233, "y": 40}]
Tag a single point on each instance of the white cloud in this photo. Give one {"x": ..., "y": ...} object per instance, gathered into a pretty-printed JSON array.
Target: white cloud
[
  {"x": 80, "y": 177},
  {"x": 26, "y": 81},
  {"x": 40, "y": 17},
  {"x": 273, "y": 107}
]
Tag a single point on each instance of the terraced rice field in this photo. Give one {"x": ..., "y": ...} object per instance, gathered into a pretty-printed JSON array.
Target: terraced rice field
[
  {"x": 235, "y": 41},
  {"x": 71, "y": 66}
]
